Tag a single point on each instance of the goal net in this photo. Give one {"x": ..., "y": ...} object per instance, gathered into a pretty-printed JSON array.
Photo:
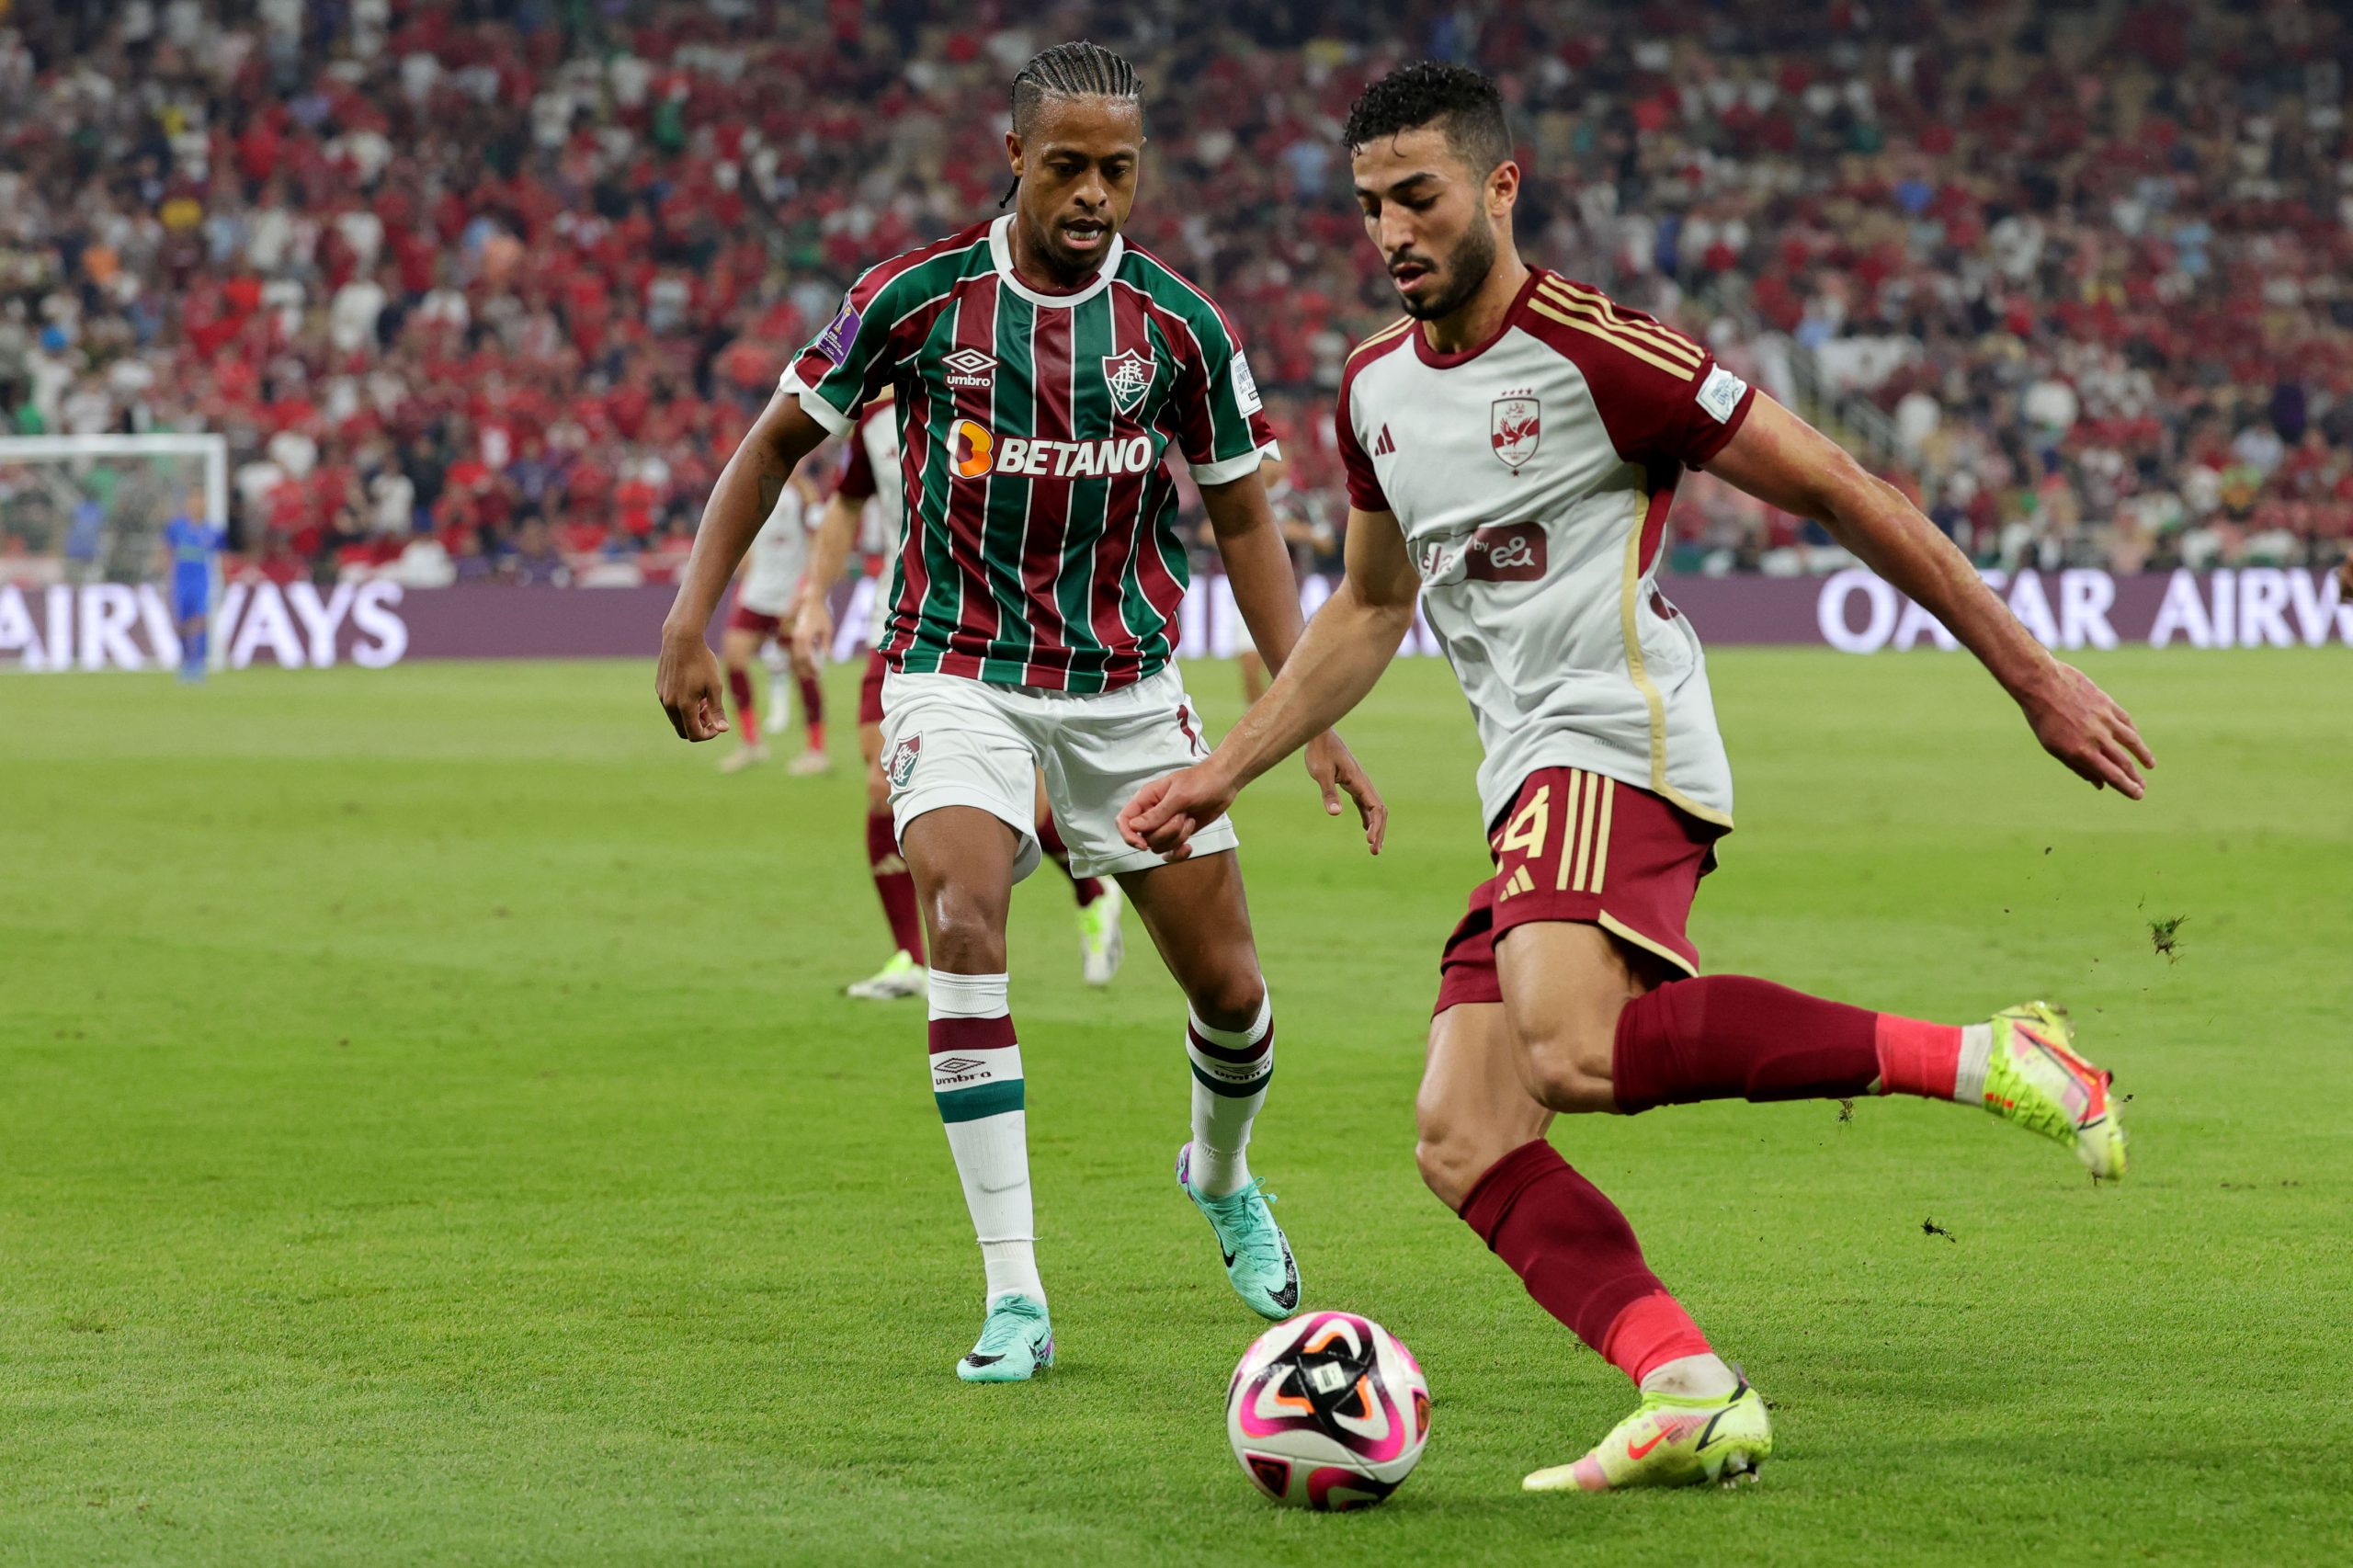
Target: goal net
[{"x": 85, "y": 580}]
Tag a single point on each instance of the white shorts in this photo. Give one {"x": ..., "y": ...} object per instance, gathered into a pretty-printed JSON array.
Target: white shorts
[{"x": 949, "y": 740}]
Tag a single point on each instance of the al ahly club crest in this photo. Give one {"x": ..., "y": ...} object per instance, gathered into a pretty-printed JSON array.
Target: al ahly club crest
[
  {"x": 1517, "y": 425},
  {"x": 1129, "y": 375}
]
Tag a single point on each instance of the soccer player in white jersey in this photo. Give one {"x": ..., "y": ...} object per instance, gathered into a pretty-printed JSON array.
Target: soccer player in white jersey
[
  {"x": 766, "y": 592},
  {"x": 1511, "y": 449},
  {"x": 865, "y": 488},
  {"x": 1045, "y": 372}
]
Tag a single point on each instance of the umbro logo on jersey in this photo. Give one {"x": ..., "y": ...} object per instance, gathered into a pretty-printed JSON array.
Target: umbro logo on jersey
[
  {"x": 969, "y": 367},
  {"x": 1128, "y": 377},
  {"x": 957, "y": 1065},
  {"x": 1383, "y": 446}
]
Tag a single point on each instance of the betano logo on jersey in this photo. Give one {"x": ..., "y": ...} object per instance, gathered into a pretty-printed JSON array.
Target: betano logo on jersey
[{"x": 979, "y": 451}]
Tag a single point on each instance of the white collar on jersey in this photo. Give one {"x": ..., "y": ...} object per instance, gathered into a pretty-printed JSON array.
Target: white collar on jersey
[{"x": 1001, "y": 252}]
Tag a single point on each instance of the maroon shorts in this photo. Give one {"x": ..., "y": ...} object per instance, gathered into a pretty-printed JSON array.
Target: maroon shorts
[
  {"x": 1575, "y": 846},
  {"x": 744, "y": 619},
  {"x": 869, "y": 688}
]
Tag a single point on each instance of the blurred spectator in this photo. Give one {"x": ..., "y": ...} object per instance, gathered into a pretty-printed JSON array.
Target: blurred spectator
[{"x": 485, "y": 289}]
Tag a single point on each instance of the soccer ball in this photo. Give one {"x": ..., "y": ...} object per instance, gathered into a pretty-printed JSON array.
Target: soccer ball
[{"x": 1328, "y": 1411}]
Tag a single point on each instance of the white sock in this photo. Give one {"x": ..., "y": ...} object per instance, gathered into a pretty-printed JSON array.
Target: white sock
[
  {"x": 1231, "y": 1069},
  {"x": 976, "y": 1080},
  {"x": 1976, "y": 1055},
  {"x": 1692, "y": 1377}
]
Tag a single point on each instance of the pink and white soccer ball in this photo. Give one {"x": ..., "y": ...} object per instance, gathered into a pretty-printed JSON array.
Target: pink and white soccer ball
[{"x": 1328, "y": 1411}]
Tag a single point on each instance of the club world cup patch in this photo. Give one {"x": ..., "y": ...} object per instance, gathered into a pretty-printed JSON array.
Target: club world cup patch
[
  {"x": 900, "y": 765},
  {"x": 1720, "y": 393},
  {"x": 1128, "y": 377},
  {"x": 1245, "y": 386},
  {"x": 1515, "y": 427},
  {"x": 835, "y": 341}
]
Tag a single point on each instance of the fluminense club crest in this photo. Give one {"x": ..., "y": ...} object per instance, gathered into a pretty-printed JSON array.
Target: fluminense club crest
[
  {"x": 900, "y": 765},
  {"x": 1129, "y": 375},
  {"x": 1517, "y": 428}
]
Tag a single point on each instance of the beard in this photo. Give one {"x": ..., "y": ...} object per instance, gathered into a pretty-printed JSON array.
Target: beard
[{"x": 1472, "y": 260}]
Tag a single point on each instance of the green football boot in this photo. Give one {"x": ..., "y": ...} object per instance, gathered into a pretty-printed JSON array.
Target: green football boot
[
  {"x": 1257, "y": 1260},
  {"x": 2034, "y": 1078},
  {"x": 1672, "y": 1441},
  {"x": 1016, "y": 1342}
]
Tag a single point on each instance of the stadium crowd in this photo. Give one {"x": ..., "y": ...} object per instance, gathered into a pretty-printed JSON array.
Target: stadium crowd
[{"x": 484, "y": 288}]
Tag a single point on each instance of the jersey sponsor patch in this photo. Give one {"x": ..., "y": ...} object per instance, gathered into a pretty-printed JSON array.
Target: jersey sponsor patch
[
  {"x": 1506, "y": 552},
  {"x": 1517, "y": 428},
  {"x": 1246, "y": 385},
  {"x": 980, "y": 452},
  {"x": 1720, "y": 393},
  {"x": 1128, "y": 377},
  {"x": 839, "y": 334},
  {"x": 975, "y": 451}
]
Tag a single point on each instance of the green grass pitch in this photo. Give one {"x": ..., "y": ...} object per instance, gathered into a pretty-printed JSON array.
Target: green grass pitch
[{"x": 430, "y": 1132}]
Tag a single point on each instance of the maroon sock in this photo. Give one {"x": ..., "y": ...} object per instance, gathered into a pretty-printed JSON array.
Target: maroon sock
[
  {"x": 1049, "y": 839},
  {"x": 812, "y": 710},
  {"x": 894, "y": 884},
  {"x": 1579, "y": 1259},
  {"x": 1726, "y": 1036},
  {"x": 739, "y": 685}
]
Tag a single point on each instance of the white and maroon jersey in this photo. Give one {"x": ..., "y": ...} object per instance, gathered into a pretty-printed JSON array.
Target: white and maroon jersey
[
  {"x": 1042, "y": 544},
  {"x": 1532, "y": 476},
  {"x": 779, "y": 555},
  {"x": 874, "y": 451}
]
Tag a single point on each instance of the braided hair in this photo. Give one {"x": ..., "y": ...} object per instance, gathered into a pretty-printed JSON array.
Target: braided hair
[{"x": 1074, "y": 69}]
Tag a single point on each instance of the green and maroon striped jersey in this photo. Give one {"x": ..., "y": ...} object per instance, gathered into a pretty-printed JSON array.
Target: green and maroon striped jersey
[{"x": 1040, "y": 548}]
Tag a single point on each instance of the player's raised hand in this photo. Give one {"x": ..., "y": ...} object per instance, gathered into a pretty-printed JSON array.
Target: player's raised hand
[
  {"x": 688, "y": 683},
  {"x": 2083, "y": 727},
  {"x": 1165, "y": 815},
  {"x": 1336, "y": 771},
  {"x": 813, "y": 627}
]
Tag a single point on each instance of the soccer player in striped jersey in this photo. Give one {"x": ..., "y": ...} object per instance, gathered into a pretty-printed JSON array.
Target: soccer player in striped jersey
[
  {"x": 873, "y": 453},
  {"x": 1511, "y": 449},
  {"x": 1042, "y": 370}
]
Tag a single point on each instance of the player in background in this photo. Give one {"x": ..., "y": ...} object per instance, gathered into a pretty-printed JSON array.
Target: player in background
[
  {"x": 765, "y": 590},
  {"x": 1511, "y": 449},
  {"x": 1043, "y": 370},
  {"x": 194, "y": 549},
  {"x": 874, "y": 451},
  {"x": 1299, "y": 531}
]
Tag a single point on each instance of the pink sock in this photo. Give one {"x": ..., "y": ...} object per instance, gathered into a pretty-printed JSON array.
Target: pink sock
[{"x": 1917, "y": 1058}]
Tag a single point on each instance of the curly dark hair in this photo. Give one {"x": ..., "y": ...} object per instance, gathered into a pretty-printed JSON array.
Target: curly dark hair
[{"x": 1426, "y": 92}]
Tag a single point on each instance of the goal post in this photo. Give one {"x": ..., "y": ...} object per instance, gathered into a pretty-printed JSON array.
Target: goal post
[{"x": 82, "y": 510}]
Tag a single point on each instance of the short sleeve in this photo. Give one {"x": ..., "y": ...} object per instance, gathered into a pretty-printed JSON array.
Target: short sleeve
[
  {"x": 855, "y": 356},
  {"x": 1364, "y": 486},
  {"x": 1223, "y": 426},
  {"x": 1663, "y": 398},
  {"x": 858, "y": 471}
]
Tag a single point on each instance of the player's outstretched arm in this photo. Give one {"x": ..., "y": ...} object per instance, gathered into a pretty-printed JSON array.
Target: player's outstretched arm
[
  {"x": 1257, "y": 564},
  {"x": 812, "y": 619},
  {"x": 1337, "y": 660},
  {"x": 1784, "y": 462},
  {"x": 687, "y": 681}
]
